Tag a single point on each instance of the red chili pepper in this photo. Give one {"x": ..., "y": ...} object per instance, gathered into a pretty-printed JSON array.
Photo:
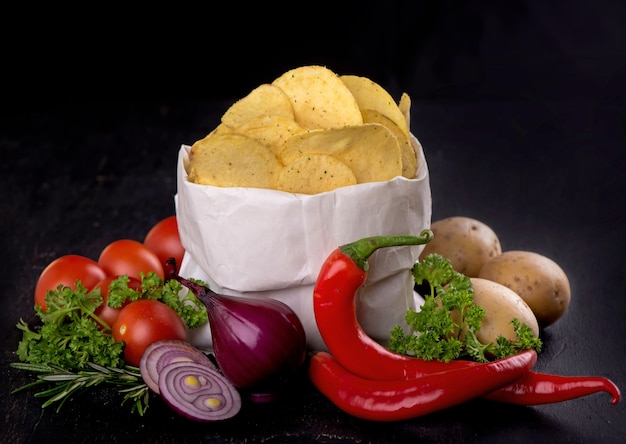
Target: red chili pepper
[
  {"x": 340, "y": 277},
  {"x": 539, "y": 388},
  {"x": 409, "y": 398}
]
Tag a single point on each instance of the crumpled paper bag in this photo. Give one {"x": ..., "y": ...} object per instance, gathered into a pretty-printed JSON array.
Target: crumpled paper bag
[{"x": 264, "y": 243}]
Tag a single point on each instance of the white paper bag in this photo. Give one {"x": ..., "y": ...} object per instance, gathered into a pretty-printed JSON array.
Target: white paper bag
[{"x": 265, "y": 243}]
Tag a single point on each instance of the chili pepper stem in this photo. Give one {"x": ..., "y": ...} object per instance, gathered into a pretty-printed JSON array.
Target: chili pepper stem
[{"x": 359, "y": 251}]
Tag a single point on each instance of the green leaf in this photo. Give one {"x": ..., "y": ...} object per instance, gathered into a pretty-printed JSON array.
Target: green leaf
[
  {"x": 445, "y": 327},
  {"x": 71, "y": 353},
  {"x": 119, "y": 292}
]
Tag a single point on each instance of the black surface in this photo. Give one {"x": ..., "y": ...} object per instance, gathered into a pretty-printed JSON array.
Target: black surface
[{"x": 521, "y": 111}]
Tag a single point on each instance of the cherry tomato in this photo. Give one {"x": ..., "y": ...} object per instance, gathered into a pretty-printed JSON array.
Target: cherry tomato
[
  {"x": 67, "y": 270},
  {"x": 130, "y": 257},
  {"x": 143, "y": 322},
  {"x": 104, "y": 312},
  {"x": 164, "y": 239}
]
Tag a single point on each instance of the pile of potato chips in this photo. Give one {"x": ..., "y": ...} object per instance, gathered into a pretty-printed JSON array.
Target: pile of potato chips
[{"x": 308, "y": 132}]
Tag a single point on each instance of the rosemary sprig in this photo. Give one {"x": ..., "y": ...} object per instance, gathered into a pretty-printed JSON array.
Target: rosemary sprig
[{"x": 64, "y": 383}]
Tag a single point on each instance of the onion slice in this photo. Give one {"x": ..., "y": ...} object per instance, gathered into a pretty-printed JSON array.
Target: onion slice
[
  {"x": 160, "y": 353},
  {"x": 198, "y": 392}
]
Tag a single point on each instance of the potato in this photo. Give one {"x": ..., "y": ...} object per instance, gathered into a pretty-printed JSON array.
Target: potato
[
  {"x": 501, "y": 305},
  {"x": 468, "y": 243},
  {"x": 538, "y": 280}
]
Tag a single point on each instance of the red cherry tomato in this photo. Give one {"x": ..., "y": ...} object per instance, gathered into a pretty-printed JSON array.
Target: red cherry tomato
[
  {"x": 130, "y": 257},
  {"x": 104, "y": 312},
  {"x": 164, "y": 239},
  {"x": 143, "y": 322},
  {"x": 67, "y": 270}
]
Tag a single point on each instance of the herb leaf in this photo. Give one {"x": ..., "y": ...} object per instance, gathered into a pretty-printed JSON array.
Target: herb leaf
[
  {"x": 72, "y": 353},
  {"x": 69, "y": 336},
  {"x": 63, "y": 383},
  {"x": 445, "y": 326}
]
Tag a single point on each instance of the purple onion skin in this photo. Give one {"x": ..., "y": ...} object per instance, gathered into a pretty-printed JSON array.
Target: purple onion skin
[
  {"x": 256, "y": 342},
  {"x": 259, "y": 343}
]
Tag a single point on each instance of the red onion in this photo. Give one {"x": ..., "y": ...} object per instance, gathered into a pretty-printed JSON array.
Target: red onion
[
  {"x": 199, "y": 392},
  {"x": 259, "y": 344},
  {"x": 160, "y": 353}
]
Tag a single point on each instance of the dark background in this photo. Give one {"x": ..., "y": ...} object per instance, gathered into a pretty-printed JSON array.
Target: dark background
[{"x": 520, "y": 107}]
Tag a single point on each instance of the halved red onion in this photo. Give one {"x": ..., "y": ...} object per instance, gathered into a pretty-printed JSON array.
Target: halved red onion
[
  {"x": 160, "y": 353},
  {"x": 258, "y": 343},
  {"x": 198, "y": 392}
]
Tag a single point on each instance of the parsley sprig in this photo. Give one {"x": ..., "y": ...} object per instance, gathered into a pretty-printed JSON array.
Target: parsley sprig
[
  {"x": 445, "y": 326},
  {"x": 72, "y": 349},
  {"x": 189, "y": 308},
  {"x": 69, "y": 335}
]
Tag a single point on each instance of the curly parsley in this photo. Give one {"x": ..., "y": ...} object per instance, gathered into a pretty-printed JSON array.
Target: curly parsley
[
  {"x": 71, "y": 351},
  {"x": 69, "y": 335},
  {"x": 445, "y": 327}
]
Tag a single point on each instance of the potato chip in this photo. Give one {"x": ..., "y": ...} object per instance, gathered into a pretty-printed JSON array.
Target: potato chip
[
  {"x": 319, "y": 98},
  {"x": 371, "y": 151},
  {"x": 308, "y": 131},
  {"x": 409, "y": 159},
  {"x": 405, "y": 108},
  {"x": 222, "y": 129},
  {"x": 370, "y": 95},
  {"x": 270, "y": 130},
  {"x": 232, "y": 160},
  {"x": 314, "y": 173},
  {"x": 264, "y": 100}
]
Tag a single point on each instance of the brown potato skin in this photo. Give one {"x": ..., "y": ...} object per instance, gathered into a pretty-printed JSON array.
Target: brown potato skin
[
  {"x": 501, "y": 305},
  {"x": 539, "y": 280},
  {"x": 468, "y": 243}
]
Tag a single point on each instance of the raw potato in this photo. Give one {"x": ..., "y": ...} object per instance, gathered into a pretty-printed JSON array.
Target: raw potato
[
  {"x": 468, "y": 243},
  {"x": 538, "y": 280},
  {"x": 501, "y": 305}
]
